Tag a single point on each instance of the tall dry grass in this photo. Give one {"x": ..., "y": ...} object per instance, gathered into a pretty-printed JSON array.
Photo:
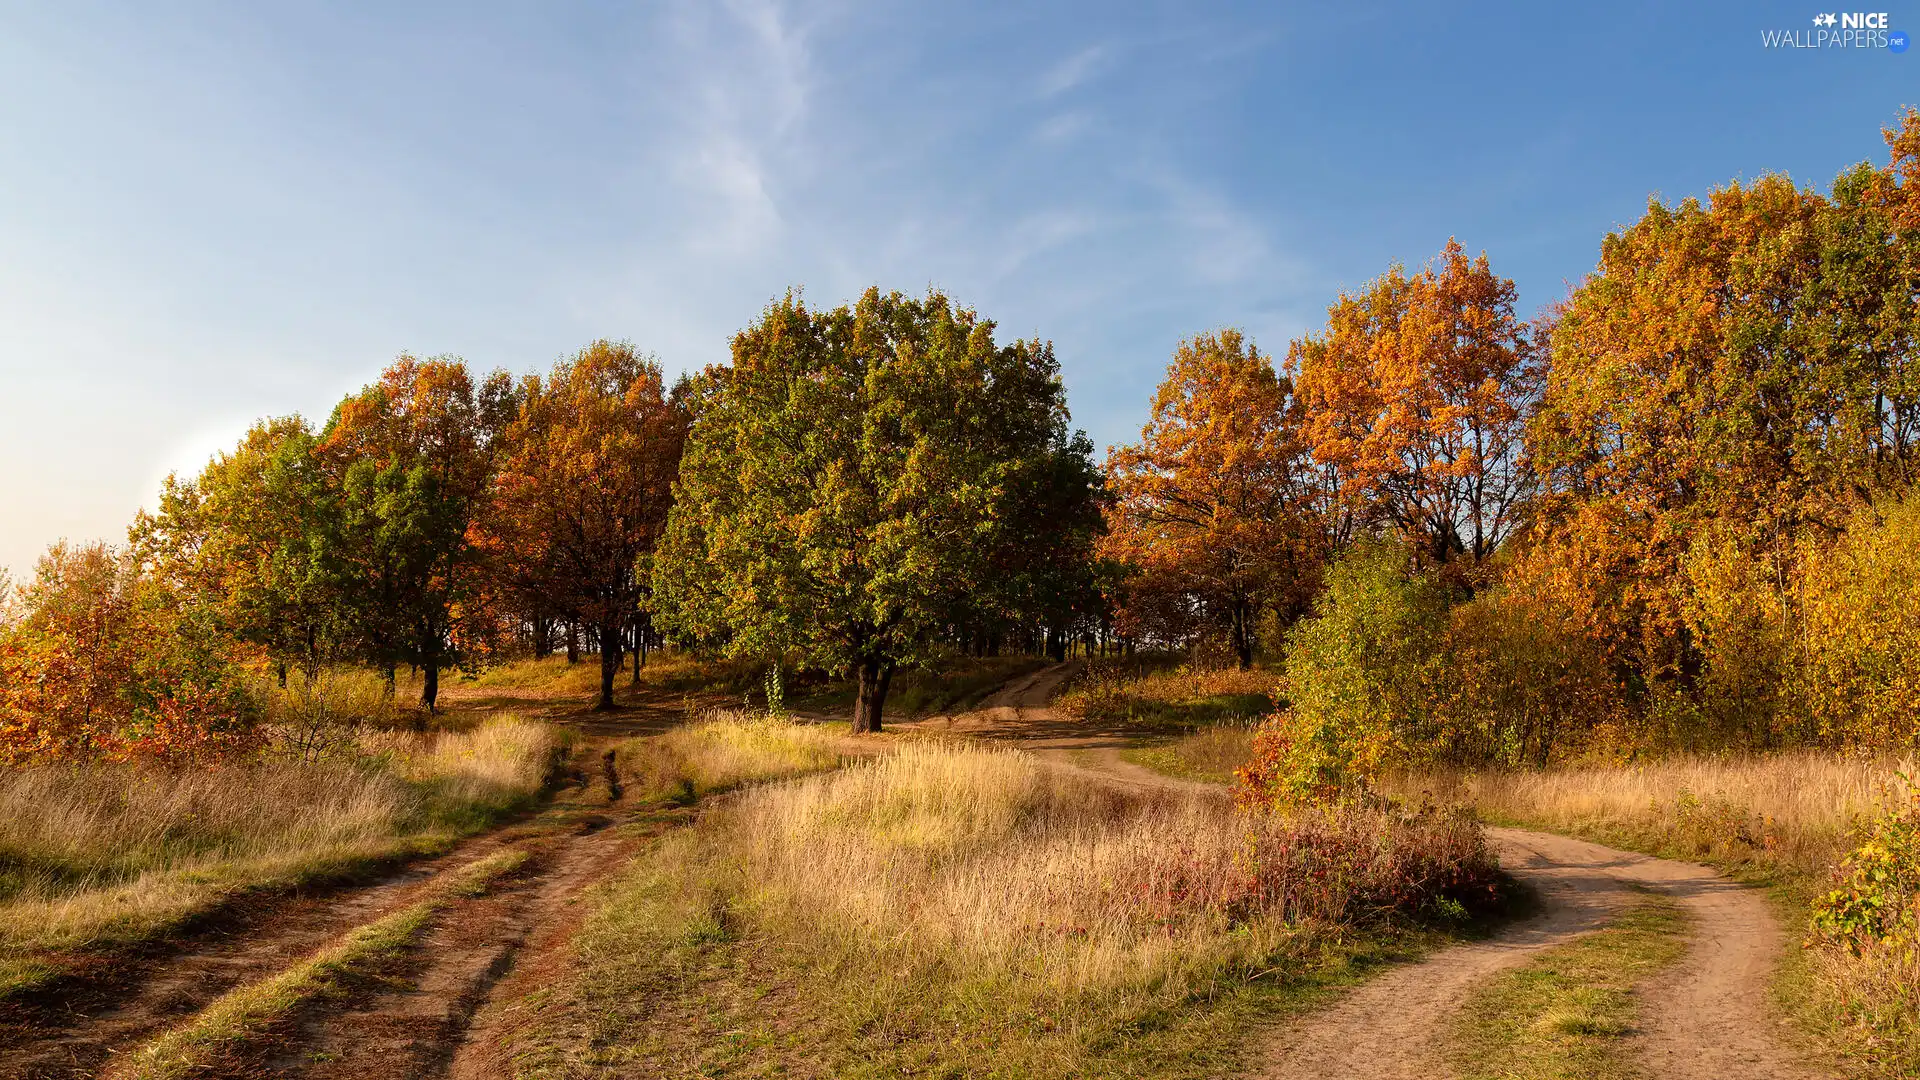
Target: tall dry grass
[
  {"x": 1794, "y": 811},
  {"x": 946, "y": 900},
  {"x": 119, "y": 851},
  {"x": 1150, "y": 692},
  {"x": 1020, "y": 867},
  {"x": 726, "y": 748}
]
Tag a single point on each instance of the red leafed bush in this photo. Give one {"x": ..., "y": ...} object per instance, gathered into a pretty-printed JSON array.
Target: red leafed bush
[{"x": 1339, "y": 862}]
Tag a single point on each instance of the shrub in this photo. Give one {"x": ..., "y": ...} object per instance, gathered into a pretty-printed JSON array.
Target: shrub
[
  {"x": 1522, "y": 682},
  {"x": 1359, "y": 680},
  {"x": 101, "y": 661},
  {"x": 1868, "y": 930},
  {"x": 1877, "y": 902}
]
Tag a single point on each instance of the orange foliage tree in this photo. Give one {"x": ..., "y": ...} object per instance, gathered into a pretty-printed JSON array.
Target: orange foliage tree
[
  {"x": 584, "y": 485},
  {"x": 1739, "y": 371},
  {"x": 1414, "y": 401},
  {"x": 1213, "y": 507}
]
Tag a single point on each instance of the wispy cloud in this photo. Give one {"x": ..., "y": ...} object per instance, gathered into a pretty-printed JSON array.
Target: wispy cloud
[
  {"x": 1062, "y": 127},
  {"x": 1075, "y": 70},
  {"x": 745, "y": 73}
]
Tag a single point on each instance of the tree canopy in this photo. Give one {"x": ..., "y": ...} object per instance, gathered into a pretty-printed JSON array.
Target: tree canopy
[{"x": 860, "y": 478}]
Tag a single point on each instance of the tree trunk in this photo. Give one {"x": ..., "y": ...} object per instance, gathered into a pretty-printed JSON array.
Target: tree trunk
[
  {"x": 1243, "y": 635},
  {"x": 639, "y": 650},
  {"x": 573, "y": 642},
  {"x": 390, "y": 675},
  {"x": 609, "y": 665},
  {"x": 870, "y": 694},
  {"x": 542, "y": 638},
  {"x": 430, "y": 685},
  {"x": 280, "y": 669}
]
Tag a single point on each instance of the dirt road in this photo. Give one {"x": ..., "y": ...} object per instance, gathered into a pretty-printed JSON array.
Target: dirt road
[
  {"x": 1706, "y": 1018},
  {"x": 411, "y": 1019}
]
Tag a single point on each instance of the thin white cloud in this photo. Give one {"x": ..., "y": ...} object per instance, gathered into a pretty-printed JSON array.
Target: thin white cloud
[
  {"x": 744, "y": 71},
  {"x": 1074, "y": 71},
  {"x": 1062, "y": 127}
]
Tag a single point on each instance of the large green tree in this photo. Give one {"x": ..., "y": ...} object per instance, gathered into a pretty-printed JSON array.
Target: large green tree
[
  {"x": 410, "y": 459},
  {"x": 858, "y": 479},
  {"x": 248, "y": 539}
]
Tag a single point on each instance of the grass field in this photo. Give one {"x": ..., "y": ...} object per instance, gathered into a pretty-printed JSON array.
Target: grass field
[
  {"x": 104, "y": 853},
  {"x": 726, "y": 748},
  {"x": 946, "y": 909}
]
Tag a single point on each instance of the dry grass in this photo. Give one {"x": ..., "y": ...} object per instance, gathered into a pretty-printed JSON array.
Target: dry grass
[
  {"x": 948, "y": 907},
  {"x": 1791, "y": 812},
  {"x": 1153, "y": 694},
  {"x": 92, "y": 853},
  {"x": 551, "y": 673},
  {"x": 726, "y": 748},
  {"x": 1870, "y": 1000},
  {"x": 1209, "y": 755}
]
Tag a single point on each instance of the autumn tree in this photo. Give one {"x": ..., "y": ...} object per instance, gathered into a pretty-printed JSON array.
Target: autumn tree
[
  {"x": 1740, "y": 370},
  {"x": 584, "y": 484},
  {"x": 249, "y": 537},
  {"x": 1415, "y": 397},
  {"x": 856, "y": 479},
  {"x": 1213, "y": 507},
  {"x": 410, "y": 460}
]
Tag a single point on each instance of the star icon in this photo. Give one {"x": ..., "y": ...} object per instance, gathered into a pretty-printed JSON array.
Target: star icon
[
  {"x": 1824, "y": 20},
  {"x": 1830, "y": 19}
]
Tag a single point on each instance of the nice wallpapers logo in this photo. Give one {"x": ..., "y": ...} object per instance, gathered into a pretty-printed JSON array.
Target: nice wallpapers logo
[{"x": 1839, "y": 30}]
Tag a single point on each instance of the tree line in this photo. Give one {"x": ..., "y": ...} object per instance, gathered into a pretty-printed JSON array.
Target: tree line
[
  {"x": 1662, "y": 512},
  {"x": 858, "y": 487}
]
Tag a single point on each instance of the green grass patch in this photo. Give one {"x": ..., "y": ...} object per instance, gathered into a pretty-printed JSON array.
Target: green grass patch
[
  {"x": 1567, "y": 1013},
  {"x": 241, "y": 1015}
]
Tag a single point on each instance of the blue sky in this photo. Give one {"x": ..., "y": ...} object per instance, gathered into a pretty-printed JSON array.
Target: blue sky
[{"x": 211, "y": 213}]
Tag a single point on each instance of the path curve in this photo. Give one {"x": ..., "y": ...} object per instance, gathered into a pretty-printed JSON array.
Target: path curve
[{"x": 1706, "y": 1017}]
